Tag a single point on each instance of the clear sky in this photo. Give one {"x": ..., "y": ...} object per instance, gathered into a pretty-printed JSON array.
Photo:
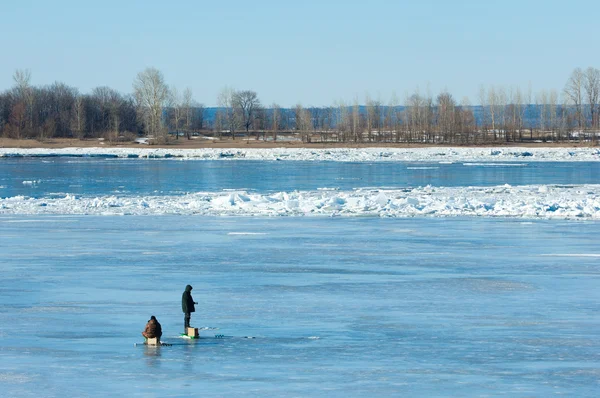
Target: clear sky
[{"x": 309, "y": 52}]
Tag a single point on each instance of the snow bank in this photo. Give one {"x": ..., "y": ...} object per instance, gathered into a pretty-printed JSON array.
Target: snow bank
[
  {"x": 433, "y": 154},
  {"x": 534, "y": 201}
]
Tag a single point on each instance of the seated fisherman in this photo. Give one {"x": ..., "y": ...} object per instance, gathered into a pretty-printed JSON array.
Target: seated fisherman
[{"x": 153, "y": 329}]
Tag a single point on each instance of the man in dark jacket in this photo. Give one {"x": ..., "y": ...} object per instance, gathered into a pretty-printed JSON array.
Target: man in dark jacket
[
  {"x": 153, "y": 329},
  {"x": 187, "y": 306}
]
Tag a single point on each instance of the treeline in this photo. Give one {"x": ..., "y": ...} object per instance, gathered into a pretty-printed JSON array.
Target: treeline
[
  {"x": 60, "y": 111},
  {"x": 159, "y": 111}
]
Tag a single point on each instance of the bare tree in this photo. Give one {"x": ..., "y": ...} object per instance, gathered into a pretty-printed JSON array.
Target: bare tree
[
  {"x": 276, "y": 120},
  {"x": 428, "y": 116},
  {"x": 466, "y": 124},
  {"x": 63, "y": 98},
  {"x": 518, "y": 113},
  {"x": 592, "y": 88},
  {"x": 248, "y": 103},
  {"x": 378, "y": 118},
  {"x": 416, "y": 116},
  {"x": 373, "y": 118},
  {"x": 198, "y": 112},
  {"x": 342, "y": 121},
  {"x": 307, "y": 125},
  {"x": 25, "y": 94},
  {"x": 356, "y": 131},
  {"x": 187, "y": 100},
  {"x": 392, "y": 118},
  {"x": 552, "y": 115},
  {"x": 446, "y": 115},
  {"x": 298, "y": 109},
  {"x": 304, "y": 122},
  {"x": 502, "y": 102},
  {"x": 328, "y": 126},
  {"x": 78, "y": 117},
  {"x": 492, "y": 100},
  {"x": 175, "y": 110},
  {"x": 483, "y": 102},
  {"x": 261, "y": 122},
  {"x": 109, "y": 101},
  {"x": 151, "y": 93},
  {"x": 230, "y": 114},
  {"x": 574, "y": 93},
  {"x": 16, "y": 120},
  {"x": 525, "y": 110},
  {"x": 219, "y": 123},
  {"x": 22, "y": 79},
  {"x": 370, "y": 117},
  {"x": 541, "y": 102}
]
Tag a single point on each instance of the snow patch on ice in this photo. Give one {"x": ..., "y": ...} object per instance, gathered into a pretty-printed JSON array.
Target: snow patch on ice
[
  {"x": 247, "y": 233},
  {"x": 9, "y": 377},
  {"x": 573, "y": 255},
  {"x": 496, "y": 164},
  {"x": 26, "y": 221}
]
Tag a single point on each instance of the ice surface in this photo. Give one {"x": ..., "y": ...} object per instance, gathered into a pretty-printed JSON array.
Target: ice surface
[
  {"x": 414, "y": 274},
  {"x": 325, "y": 307},
  {"x": 446, "y": 154}
]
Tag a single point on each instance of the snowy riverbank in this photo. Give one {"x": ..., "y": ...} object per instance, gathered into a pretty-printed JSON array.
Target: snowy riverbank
[{"x": 430, "y": 154}]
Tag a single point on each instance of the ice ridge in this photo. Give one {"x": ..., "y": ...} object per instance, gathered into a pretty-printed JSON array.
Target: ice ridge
[{"x": 532, "y": 201}]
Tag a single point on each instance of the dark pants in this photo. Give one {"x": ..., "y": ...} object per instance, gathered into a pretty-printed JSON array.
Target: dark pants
[{"x": 186, "y": 321}]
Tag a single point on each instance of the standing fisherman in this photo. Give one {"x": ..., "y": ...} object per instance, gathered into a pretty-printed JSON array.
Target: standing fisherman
[{"x": 187, "y": 306}]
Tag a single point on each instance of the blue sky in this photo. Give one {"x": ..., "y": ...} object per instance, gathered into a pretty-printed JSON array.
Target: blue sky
[{"x": 308, "y": 52}]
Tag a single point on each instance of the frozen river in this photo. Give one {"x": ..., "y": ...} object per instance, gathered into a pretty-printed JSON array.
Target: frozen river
[
  {"x": 400, "y": 273},
  {"x": 333, "y": 306}
]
